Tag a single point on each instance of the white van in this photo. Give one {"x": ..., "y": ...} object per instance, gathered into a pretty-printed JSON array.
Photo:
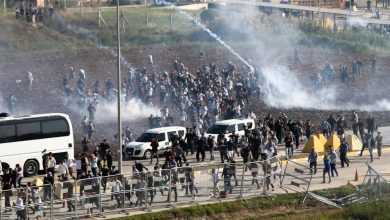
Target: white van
[
  {"x": 226, "y": 127},
  {"x": 140, "y": 148}
]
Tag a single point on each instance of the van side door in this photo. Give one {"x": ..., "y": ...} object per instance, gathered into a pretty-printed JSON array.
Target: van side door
[
  {"x": 161, "y": 138},
  {"x": 240, "y": 129},
  {"x": 229, "y": 130},
  {"x": 170, "y": 133}
]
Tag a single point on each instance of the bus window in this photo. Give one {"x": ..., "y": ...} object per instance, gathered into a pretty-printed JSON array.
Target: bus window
[
  {"x": 181, "y": 133},
  {"x": 28, "y": 131},
  {"x": 55, "y": 128},
  {"x": 7, "y": 133},
  {"x": 249, "y": 125}
]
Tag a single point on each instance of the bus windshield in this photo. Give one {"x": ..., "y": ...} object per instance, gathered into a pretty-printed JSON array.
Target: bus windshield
[{"x": 217, "y": 129}]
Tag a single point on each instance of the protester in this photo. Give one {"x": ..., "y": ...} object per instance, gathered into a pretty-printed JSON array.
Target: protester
[
  {"x": 379, "y": 140},
  {"x": 327, "y": 168},
  {"x": 333, "y": 159},
  {"x": 343, "y": 149},
  {"x": 312, "y": 159}
]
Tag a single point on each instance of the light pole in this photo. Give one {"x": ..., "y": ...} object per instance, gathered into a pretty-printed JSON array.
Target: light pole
[
  {"x": 119, "y": 88},
  {"x": 5, "y": 7}
]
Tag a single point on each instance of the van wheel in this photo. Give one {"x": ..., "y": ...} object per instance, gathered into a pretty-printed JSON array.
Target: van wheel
[
  {"x": 148, "y": 154},
  {"x": 31, "y": 168}
]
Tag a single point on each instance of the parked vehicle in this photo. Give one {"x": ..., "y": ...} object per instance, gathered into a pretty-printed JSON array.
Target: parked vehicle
[{"x": 140, "y": 148}]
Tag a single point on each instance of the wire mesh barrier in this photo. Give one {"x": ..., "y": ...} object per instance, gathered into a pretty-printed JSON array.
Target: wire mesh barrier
[
  {"x": 164, "y": 188},
  {"x": 376, "y": 183},
  {"x": 296, "y": 178}
]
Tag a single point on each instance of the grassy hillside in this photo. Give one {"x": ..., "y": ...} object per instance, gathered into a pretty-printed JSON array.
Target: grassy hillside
[{"x": 152, "y": 27}]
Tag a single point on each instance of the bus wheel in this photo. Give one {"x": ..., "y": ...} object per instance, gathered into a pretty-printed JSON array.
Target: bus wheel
[
  {"x": 31, "y": 168},
  {"x": 148, "y": 154}
]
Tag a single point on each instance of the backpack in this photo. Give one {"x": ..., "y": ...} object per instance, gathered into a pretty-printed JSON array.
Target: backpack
[{"x": 372, "y": 142}]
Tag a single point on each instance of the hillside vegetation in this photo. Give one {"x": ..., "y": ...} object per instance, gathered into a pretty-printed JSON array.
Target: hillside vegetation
[{"x": 159, "y": 27}]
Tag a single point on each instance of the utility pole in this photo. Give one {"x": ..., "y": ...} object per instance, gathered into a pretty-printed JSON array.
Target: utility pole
[
  {"x": 81, "y": 8},
  {"x": 5, "y": 7},
  {"x": 119, "y": 89}
]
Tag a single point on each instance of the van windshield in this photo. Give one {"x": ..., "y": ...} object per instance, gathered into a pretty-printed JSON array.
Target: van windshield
[
  {"x": 217, "y": 129},
  {"x": 146, "y": 137}
]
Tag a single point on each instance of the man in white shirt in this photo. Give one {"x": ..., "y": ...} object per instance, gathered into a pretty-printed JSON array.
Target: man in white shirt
[
  {"x": 215, "y": 179},
  {"x": 62, "y": 169},
  {"x": 51, "y": 163},
  {"x": 78, "y": 166},
  {"x": 116, "y": 189},
  {"x": 183, "y": 117},
  {"x": 69, "y": 164}
]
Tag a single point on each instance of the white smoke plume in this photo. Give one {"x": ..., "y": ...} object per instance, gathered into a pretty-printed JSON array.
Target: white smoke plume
[
  {"x": 283, "y": 89},
  {"x": 132, "y": 110},
  {"x": 217, "y": 38},
  {"x": 356, "y": 22}
]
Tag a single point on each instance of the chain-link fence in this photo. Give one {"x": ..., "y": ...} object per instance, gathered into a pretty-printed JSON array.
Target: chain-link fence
[
  {"x": 375, "y": 183},
  {"x": 140, "y": 191}
]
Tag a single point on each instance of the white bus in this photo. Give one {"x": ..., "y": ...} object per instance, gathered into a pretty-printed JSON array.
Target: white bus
[{"x": 25, "y": 140}]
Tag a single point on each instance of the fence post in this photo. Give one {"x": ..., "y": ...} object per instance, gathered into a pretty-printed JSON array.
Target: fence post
[
  {"x": 123, "y": 192},
  {"x": 5, "y": 13},
  {"x": 169, "y": 188},
  {"x": 264, "y": 178},
  {"x": 242, "y": 181},
  {"x": 170, "y": 20},
  {"x": 75, "y": 195},
  {"x": 1, "y": 207},
  {"x": 100, "y": 194},
  {"x": 51, "y": 200},
  {"x": 146, "y": 189},
  {"x": 26, "y": 204}
]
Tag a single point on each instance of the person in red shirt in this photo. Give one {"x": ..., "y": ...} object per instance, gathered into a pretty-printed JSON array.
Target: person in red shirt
[{"x": 154, "y": 145}]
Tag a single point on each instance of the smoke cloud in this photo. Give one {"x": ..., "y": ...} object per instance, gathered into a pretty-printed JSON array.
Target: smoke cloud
[
  {"x": 131, "y": 110},
  {"x": 356, "y": 22},
  {"x": 281, "y": 87}
]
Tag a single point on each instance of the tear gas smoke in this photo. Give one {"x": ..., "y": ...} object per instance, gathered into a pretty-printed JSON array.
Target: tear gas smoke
[
  {"x": 131, "y": 110},
  {"x": 217, "y": 38},
  {"x": 281, "y": 88},
  {"x": 356, "y": 22}
]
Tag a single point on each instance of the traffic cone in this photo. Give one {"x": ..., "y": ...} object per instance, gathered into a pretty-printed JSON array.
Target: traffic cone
[{"x": 356, "y": 176}]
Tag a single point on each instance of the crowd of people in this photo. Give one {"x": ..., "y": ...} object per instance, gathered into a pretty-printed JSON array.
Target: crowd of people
[{"x": 329, "y": 74}]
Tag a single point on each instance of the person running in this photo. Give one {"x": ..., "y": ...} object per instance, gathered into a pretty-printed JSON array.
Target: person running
[
  {"x": 154, "y": 145},
  {"x": 326, "y": 168},
  {"x": 254, "y": 167},
  {"x": 267, "y": 169},
  {"x": 333, "y": 159},
  {"x": 312, "y": 159},
  {"x": 378, "y": 140},
  {"x": 343, "y": 149}
]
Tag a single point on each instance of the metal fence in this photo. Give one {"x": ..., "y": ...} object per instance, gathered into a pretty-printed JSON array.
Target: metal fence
[
  {"x": 145, "y": 191},
  {"x": 376, "y": 183}
]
